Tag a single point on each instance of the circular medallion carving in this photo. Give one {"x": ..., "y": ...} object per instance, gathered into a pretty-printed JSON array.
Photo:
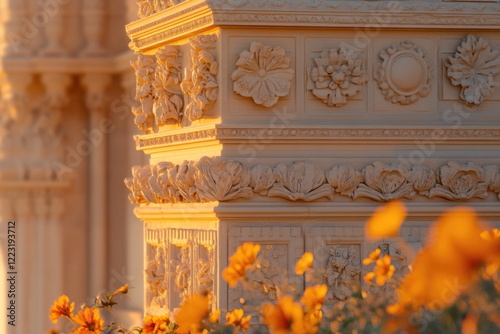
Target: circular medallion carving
[{"x": 404, "y": 74}]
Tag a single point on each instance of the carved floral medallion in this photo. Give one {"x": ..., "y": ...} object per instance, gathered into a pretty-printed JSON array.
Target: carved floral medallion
[
  {"x": 263, "y": 73},
  {"x": 460, "y": 181},
  {"x": 473, "y": 68},
  {"x": 404, "y": 75},
  {"x": 338, "y": 75}
]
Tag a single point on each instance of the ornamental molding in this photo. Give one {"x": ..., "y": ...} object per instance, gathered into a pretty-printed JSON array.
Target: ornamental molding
[
  {"x": 473, "y": 68},
  {"x": 404, "y": 74},
  {"x": 451, "y": 136},
  {"x": 263, "y": 73},
  {"x": 200, "y": 78},
  {"x": 219, "y": 179},
  {"x": 337, "y": 75}
]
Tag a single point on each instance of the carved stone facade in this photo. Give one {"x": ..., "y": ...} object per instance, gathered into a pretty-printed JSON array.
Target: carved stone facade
[{"x": 298, "y": 119}]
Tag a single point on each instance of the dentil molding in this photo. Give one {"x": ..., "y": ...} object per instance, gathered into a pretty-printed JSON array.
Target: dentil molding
[{"x": 219, "y": 179}]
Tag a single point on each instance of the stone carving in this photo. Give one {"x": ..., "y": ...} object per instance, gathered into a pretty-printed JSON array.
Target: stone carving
[
  {"x": 460, "y": 181},
  {"x": 385, "y": 182},
  {"x": 206, "y": 273},
  {"x": 263, "y": 73},
  {"x": 146, "y": 7},
  {"x": 168, "y": 104},
  {"x": 144, "y": 72},
  {"x": 492, "y": 178},
  {"x": 182, "y": 271},
  {"x": 343, "y": 270},
  {"x": 300, "y": 181},
  {"x": 344, "y": 179},
  {"x": 338, "y": 74},
  {"x": 200, "y": 79},
  {"x": 404, "y": 75},
  {"x": 423, "y": 179},
  {"x": 156, "y": 277},
  {"x": 402, "y": 255},
  {"x": 221, "y": 180},
  {"x": 473, "y": 69}
]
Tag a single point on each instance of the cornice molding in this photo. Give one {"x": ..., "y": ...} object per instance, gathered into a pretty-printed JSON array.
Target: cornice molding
[
  {"x": 191, "y": 17},
  {"x": 247, "y": 134}
]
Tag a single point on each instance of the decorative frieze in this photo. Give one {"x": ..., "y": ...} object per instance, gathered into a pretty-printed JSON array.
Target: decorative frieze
[
  {"x": 263, "y": 73},
  {"x": 219, "y": 179},
  {"x": 337, "y": 75},
  {"x": 473, "y": 68},
  {"x": 405, "y": 73},
  {"x": 145, "y": 74}
]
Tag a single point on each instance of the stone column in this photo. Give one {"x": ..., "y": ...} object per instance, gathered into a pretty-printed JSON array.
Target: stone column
[{"x": 94, "y": 21}]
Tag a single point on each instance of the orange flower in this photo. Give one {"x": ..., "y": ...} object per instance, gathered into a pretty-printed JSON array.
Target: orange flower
[
  {"x": 89, "y": 320},
  {"x": 121, "y": 290},
  {"x": 154, "y": 324},
  {"x": 382, "y": 272},
  {"x": 386, "y": 221},
  {"x": 311, "y": 322},
  {"x": 491, "y": 234},
  {"x": 283, "y": 317},
  {"x": 305, "y": 263},
  {"x": 239, "y": 262},
  {"x": 214, "y": 317},
  {"x": 373, "y": 257},
  {"x": 236, "y": 319},
  {"x": 61, "y": 308},
  {"x": 314, "y": 297},
  {"x": 192, "y": 312}
]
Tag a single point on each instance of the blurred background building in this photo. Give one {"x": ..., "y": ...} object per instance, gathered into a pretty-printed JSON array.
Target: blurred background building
[{"x": 66, "y": 145}]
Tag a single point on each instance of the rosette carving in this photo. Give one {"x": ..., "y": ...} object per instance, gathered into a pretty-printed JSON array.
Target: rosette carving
[
  {"x": 144, "y": 72},
  {"x": 262, "y": 178},
  {"x": 300, "y": 181},
  {"x": 168, "y": 104},
  {"x": 385, "y": 182},
  {"x": 200, "y": 79},
  {"x": 344, "y": 179},
  {"x": 337, "y": 76},
  {"x": 473, "y": 68},
  {"x": 404, "y": 75},
  {"x": 492, "y": 178},
  {"x": 460, "y": 182},
  {"x": 218, "y": 179},
  {"x": 263, "y": 73},
  {"x": 423, "y": 179}
]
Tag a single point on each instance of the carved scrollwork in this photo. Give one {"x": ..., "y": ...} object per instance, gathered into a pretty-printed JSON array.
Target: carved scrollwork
[
  {"x": 344, "y": 179},
  {"x": 460, "y": 181},
  {"x": 221, "y": 180},
  {"x": 404, "y": 75},
  {"x": 263, "y": 73},
  {"x": 473, "y": 68},
  {"x": 300, "y": 181},
  {"x": 385, "y": 182},
  {"x": 168, "y": 103},
  {"x": 144, "y": 72},
  {"x": 338, "y": 74},
  {"x": 156, "y": 277},
  {"x": 182, "y": 270},
  {"x": 200, "y": 79},
  {"x": 492, "y": 178}
]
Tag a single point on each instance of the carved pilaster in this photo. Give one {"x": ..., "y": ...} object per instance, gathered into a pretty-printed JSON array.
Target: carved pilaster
[
  {"x": 54, "y": 28},
  {"x": 94, "y": 20},
  {"x": 16, "y": 35}
]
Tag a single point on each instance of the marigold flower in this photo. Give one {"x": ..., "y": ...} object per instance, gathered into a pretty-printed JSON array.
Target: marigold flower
[
  {"x": 61, "y": 308},
  {"x": 89, "y": 320},
  {"x": 305, "y": 263},
  {"x": 386, "y": 221},
  {"x": 156, "y": 324},
  {"x": 382, "y": 272},
  {"x": 192, "y": 312},
  {"x": 312, "y": 321},
  {"x": 372, "y": 257},
  {"x": 490, "y": 234},
  {"x": 283, "y": 317},
  {"x": 214, "y": 317},
  {"x": 236, "y": 319},
  {"x": 314, "y": 297},
  {"x": 239, "y": 262}
]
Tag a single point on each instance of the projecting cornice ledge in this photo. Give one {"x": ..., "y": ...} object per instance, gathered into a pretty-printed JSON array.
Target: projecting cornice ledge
[{"x": 191, "y": 17}]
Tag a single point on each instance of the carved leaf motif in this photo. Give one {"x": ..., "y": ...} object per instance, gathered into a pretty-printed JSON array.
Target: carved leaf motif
[
  {"x": 423, "y": 179},
  {"x": 344, "y": 179},
  {"x": 200, "y": 82},
  {"x": 139, "y": 185},
  {"x": 343, "y": 271},
  {"x": 262, "y": 178},
  {"x": 221, "y": 180},
  {"x": 492, "y": 178},
  {"x": 144, "y": 71},
  {"x": 161, "y": 184},
  {"x": 263, "y": 73},
  {"x": 460, "y": 182},
  {"x": 473, "y": 68},
  {"x": 385, "y": 182},
  {"x": 337, "y": 76},
  {"x": 300, "y": 181},
  {"x": 183, "y": 178},
  {"x": 168, "y": 104}
]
